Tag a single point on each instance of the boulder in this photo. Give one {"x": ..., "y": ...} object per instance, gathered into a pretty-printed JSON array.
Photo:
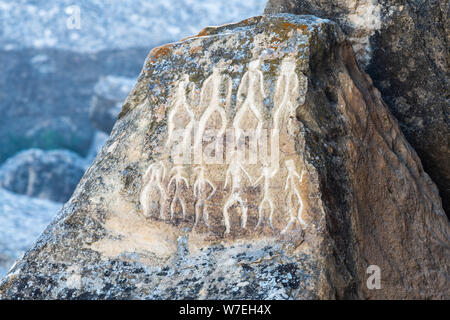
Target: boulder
[
  {"x": 335, "y": 204},
  {"x": 109, "y": 94},
  {"x": 22, "y": 220},
  {"x": 403, "y": 45},
  {"x": 51, "y": 175}
]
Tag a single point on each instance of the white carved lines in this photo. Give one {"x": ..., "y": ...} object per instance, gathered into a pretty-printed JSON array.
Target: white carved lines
[
  {"x": 178, "y": 180},
  {"x": 291, "y": 188},
  {"x": 234, "y": 173},
  {"x": 201, "y": 195},
  {"x": 181, "y": 111},
  {"x": 267, "y": 174},
  {"x": 153, "y": 181},
  {"x": 213, "y": 111},
  {"x": 252, "y": 88},
  {"x": 210, "y": 100}
]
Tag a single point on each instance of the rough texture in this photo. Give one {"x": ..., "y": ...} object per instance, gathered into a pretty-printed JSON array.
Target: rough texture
[
  {"x": 51, "y": 175},
  {"x": 403, "y": 45},
  {"x": 22, "y": 220},
  {"x": 106, "y": 104},
  {"x": 349, "y": 190}
]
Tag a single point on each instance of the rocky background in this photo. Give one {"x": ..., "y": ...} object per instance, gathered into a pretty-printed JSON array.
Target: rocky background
[{"x": 62, "y": 87}]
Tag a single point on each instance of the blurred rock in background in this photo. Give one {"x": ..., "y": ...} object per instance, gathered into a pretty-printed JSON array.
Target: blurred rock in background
[
  {"x": 109, "y": 93},
  {"x": 51, "y": 175}
]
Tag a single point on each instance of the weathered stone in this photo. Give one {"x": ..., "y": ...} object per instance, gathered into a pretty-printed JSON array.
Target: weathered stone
[
  {"x": 347, "y": 190},
  {"x": 403, "y": 45},
  {"x": 110, "y": 92},
  {"x": 51, "y": 175}
]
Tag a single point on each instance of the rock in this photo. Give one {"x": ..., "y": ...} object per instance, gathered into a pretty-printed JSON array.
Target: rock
[
  {"x": 99, "y": 140},
  {"x": 110, "y": 92},
  {"x": 22, "y": 220},
  {"x": 340, "y": 194},
  {"x": 403, "y": 45},
  {"x": 51, "y": 175},
  {"x": 51, "y": 63}
]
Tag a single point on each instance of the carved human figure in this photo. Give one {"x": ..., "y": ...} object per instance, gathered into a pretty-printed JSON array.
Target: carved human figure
[
  {"x": 267, "y": 173},
  {"x": 178, "y": 180},
  {"x": 210, "y": 100},
  {"x": 154, "y": 181},
  {"x": 181, "y": 117},
  {"x": 201, "y": 195},
  {"x": 285, "y": 95},
  {"x": 292, "y": 191},
  {"x": 234, "y": 173},
  {"x": 180, "y": 110},
  {"x": 250, "y": 97}
]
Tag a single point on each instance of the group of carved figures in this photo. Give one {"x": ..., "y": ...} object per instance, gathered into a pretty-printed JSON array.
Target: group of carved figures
[{"x": 250, "y": 98}]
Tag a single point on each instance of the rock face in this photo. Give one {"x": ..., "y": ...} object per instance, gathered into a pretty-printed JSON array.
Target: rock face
[
  {"x": 22, "y": 220},
  {"x": 334, "y": 188},
  {"x": 106, "y": 104},
  {"x": 403, "y": 45},
  {"x": 51, "y": 175},
  {"x": 51, "y": 64}
]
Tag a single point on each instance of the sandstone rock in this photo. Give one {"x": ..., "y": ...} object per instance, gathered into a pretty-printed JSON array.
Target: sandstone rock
[
  {"x": 403, "y": 45},
  {"x": 110, "y": 92},
  {"x": 51, "y": 175},
  {"x": 339, "y": 190},
  {"x": 22, "y": 220}
]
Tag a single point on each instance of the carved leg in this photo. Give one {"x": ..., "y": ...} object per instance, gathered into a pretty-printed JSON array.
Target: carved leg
[
  {"x": 244, "y": 211},
  {"x": 198, "y": 206},
  {"x": 144, "y": 200},
  {"x": 292, "y": 217}
]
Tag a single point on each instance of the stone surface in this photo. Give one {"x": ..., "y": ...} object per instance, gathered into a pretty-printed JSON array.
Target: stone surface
[
  {"x": 51, "y": 175},
  {"x": 50, "y": 64},
  {"x": 403, "y": 45},
  {"x": 347, "y": 190},
  {"x": 109, "y": 93},
  {"x": 22, "y": 220}
]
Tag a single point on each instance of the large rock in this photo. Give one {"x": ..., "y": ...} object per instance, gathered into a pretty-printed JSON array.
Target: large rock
[
  {"x": 51, "y": 175},
  {"x": 52, "y": 53},
  {"x": 22, "y": 220},
  {"x": 110, "y": 92},
  {"x": 403, "y": 45},
  {"x": 341, "y": 191}
]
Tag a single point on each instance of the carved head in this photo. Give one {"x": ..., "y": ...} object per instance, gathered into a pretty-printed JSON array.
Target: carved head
[
  {"x": 287, "y": 65},
  {"x": 290, "y": 165},
  {"x": 254, "y": 65}
]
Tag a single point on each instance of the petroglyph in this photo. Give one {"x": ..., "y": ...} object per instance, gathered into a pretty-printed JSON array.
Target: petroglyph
[
  {"x": 292, "y": 191},
  {"x": 234, "y": 174},
  {"x": 288, "y": 88},
  {"x": 178, "y": 180},
  {"x": 154, "y": 183},
  {"x": 193, "y": 185},
  {"x": 201, "y": 195},
  {"x": 210, "y": 97},
  {"x": 250, "y": 98},
  {"x": 267, "y": 174},
  {"x": 180, "y": 118}
]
